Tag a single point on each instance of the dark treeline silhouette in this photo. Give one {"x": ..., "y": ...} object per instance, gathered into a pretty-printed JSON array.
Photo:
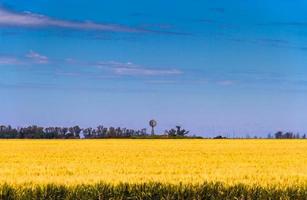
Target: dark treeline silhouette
[
  {"x": 38, "y": 132},
  {"x": 288, "y": 135},
  {"x": 74, "y": 132},
  {"x": 277, "y": 135}
]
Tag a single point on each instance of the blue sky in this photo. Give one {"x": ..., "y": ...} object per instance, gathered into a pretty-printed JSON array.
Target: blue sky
[{"x": 214, "y": 67}]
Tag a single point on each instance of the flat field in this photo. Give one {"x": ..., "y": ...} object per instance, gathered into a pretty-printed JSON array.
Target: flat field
[{"x": 71, "y": 162}]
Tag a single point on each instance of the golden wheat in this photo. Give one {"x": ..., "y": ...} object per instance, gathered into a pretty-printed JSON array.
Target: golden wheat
[{"x": 260, "y": 162}]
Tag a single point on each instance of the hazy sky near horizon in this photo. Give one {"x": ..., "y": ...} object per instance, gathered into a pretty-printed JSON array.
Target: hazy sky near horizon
[{"x": 214, "y": 67}]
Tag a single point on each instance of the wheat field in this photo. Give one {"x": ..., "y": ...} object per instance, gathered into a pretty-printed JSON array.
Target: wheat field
[{"x": 72, "y": 162}]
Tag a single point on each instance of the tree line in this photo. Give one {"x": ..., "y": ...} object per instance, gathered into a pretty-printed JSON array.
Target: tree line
[
  {"x": 288, "y": 135},
  {"x": 74, "y": 132},
  {"x": 277, "y": 135}
]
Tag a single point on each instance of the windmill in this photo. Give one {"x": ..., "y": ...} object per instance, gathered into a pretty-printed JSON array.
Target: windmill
[{"x": 152, "y": 123}]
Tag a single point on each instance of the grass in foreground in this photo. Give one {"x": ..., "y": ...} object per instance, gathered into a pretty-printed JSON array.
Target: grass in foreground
[{"x": 212, "y": 191}]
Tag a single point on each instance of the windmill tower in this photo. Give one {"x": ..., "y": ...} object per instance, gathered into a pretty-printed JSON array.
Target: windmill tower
[{"x": 152, "y": 123}]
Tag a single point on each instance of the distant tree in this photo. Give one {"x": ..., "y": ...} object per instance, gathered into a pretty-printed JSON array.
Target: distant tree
[
  {"x": 219, "y": 137},
  {"x": 2, "y": 128},
  {"x": 171, "y": 132},
  {"x": 100, "y": 131},
  {"x": 8, "y": 132},
  {"x": 88, "y": 132},
  {"x": 181, "y": 132},
  {"x": 64, "y": 131},
  {"x": 111, "y": 132},
  {"x": 288, "y": 135},
  {"x": 143, "y": 131},
  {"x": 279, "y": 135},
  {"x": 77, "y": 131},
  {"x": 177, "y": 132}
]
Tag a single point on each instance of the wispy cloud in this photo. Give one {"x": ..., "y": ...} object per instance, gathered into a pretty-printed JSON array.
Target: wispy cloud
[
  {"x": 28, "y": 19},
  {"x": 114, "y": 68},
  {"x": 30, "y": 58},
  {"x": 10, "y": 18},
  {"x": 54, "y": 86},
  {"x": 131, "y": 69},
  {"x": 37, "y": 58},
  {"x": 145, "y": 72},
  {"x": 9, "y": 61}
]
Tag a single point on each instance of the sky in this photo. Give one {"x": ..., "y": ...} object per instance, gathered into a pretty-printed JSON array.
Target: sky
[{"x": 234, "y": 68}]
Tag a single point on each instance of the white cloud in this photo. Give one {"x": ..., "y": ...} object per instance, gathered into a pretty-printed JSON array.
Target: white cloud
[
  {"x": 131, "y": 69},
  {"x": 9, "y": 61},
  {"x": 108, "y": 67},
  {"x": 28, "y": 19},
  {"x": 37, "y": 58},
  {"x": 146, "y": 72},
  {"x": 30, "y": 58}
]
